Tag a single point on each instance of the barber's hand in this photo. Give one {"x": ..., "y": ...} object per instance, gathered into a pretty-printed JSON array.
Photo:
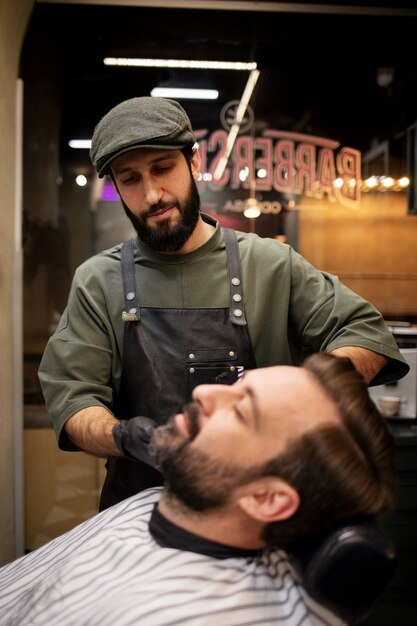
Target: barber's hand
[{"x": 132, "y": 438}]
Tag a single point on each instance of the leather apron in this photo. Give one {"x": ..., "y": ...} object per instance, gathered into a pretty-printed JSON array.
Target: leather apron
[{"x": 167, "y": 352}]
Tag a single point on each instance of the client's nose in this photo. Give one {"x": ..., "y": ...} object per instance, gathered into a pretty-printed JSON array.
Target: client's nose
[{"x": 211, "y": 397}]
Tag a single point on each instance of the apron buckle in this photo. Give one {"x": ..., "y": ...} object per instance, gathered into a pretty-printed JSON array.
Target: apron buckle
[{"x": 129, "y": 317}]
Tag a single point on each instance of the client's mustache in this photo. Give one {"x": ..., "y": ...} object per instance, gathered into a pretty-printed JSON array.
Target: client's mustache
[
  {"x": 192, "y": 411},
  {"x": 160, "y": 447}
]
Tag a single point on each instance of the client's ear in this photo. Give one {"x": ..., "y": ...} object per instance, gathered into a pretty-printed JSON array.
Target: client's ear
[{"x": 270, "y": 499}]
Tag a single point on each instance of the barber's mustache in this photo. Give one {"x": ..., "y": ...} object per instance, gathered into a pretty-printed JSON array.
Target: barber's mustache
[{"x": 159, "y": 206}]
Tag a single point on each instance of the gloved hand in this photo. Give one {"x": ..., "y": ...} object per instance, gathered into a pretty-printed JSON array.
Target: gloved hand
[{"x": 132, "y": 438}]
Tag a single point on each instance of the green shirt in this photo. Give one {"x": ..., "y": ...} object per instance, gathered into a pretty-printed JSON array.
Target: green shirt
[{"x": 289, "y": 305}]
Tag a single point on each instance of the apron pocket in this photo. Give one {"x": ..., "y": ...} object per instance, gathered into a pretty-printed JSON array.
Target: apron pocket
[{"x": 211, "y": 366}]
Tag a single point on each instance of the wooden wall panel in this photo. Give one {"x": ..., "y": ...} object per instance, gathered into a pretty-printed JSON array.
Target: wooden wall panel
[{"x": 372, "y": 248}]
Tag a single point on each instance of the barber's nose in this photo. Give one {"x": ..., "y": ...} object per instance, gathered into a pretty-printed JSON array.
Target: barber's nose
[{"x": 152, "y": 191}]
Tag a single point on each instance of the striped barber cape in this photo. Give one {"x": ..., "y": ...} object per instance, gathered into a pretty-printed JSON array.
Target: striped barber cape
[{"x": 110, "y": 571}]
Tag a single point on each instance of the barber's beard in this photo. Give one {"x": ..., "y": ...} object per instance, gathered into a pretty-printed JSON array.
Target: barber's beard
[
  {"x": 192, "y": 477},
  {"x": 163, "y": 236}
]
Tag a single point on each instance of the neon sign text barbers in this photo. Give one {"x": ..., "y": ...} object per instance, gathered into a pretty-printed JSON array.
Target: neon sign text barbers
[{"x": 295, "y": 164}]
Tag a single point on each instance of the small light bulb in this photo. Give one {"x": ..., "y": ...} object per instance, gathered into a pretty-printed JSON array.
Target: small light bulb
[{"x": 81, "y": 180}]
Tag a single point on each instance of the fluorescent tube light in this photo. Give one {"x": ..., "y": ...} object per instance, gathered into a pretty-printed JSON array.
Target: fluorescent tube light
[
  {"x": 195, "y": 94},
  {"x": 83, "y": 144},
  {"x": 180, "y": 63},
  {"x": 234, "y": 129}
]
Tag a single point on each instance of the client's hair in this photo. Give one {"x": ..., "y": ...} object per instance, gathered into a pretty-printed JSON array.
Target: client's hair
[{"x": 340, "y": 471}]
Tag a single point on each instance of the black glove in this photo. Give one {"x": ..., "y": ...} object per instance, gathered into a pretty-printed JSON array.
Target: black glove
[{"x": 132, "y": 438}]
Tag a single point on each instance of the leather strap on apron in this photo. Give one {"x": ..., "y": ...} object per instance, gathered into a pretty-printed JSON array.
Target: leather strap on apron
[{"x": 237, "y": 304}]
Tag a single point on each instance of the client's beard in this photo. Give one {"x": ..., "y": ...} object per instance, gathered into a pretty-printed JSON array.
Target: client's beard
[
  {"x": 192, "y": 478},
  {"x": 163, "y": 236}
]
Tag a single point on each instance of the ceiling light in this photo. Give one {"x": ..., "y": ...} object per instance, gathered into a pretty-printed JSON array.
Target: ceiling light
[
  {"x": 243, "y": 174},
  {"x": 81, "y": 180},
  {"x": 234, "y": 129},
  {"x": 371, "y": 182},
  {"x": 252, "y": 212},
  {"x": 384, "y": 76},
  {"x": 194, "y": 94},
  {"x": 179, "y": 63},
  {"x": 83, "y": 144}
]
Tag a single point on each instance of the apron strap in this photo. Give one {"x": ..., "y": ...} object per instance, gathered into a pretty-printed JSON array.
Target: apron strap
[
  {"x": 237, "y": 305},
  {"x": 132, "y": 307}
]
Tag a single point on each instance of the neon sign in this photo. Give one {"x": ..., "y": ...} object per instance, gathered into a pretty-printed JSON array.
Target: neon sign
[{"x": 294, "y": 164}]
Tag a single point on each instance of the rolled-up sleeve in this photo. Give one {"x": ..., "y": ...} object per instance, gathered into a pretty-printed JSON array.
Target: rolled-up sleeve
[
  {"x": 329, "y": 315},
  {"x": 79, "y": 365}
]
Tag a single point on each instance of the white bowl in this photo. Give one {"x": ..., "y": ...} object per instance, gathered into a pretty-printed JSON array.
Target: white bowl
[{"x": 389, "y": 405}]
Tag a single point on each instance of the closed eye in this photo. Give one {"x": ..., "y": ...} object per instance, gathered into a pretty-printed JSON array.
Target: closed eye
[
  {"x": 162, "y": 170},
  {"x": 129, "y": 180},
  {"x": 247, "y": 410},
  {"x": 240, "y": 416}
]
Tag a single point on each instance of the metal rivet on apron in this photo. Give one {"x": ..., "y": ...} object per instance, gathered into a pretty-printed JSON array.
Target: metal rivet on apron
[
  {"x": 231, "y": 353},
  {"x": 132, "y": 311},
  {"x": 191, "y": 356},
  {"x": 191, "y": 370},
  {"x": 238, "y": 312},
  {"x": 130, "y": 295},
  {"x": 232, "y": 369},
  {"x": 237, "y": 297},
  {"x": 235, "y": 281}
]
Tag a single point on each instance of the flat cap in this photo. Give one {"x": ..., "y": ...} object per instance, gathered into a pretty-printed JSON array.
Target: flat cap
[{"x": 144, "y": 122}]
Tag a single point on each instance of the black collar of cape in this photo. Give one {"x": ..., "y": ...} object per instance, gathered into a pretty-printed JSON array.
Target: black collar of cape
[{"x": 168, "y": 535}]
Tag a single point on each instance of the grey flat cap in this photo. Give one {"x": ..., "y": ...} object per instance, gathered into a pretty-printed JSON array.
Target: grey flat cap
[{"x": 140, "y": 123}]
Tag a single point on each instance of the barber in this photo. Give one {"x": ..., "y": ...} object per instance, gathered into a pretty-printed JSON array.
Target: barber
[{"x": 183, "y": 303}]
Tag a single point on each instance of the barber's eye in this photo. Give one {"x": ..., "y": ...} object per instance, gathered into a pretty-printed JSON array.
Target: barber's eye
[{"x": 130, "y": 180}]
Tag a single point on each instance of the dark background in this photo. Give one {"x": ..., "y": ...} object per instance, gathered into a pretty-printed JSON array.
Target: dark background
[{"x": 318, "y": 69}]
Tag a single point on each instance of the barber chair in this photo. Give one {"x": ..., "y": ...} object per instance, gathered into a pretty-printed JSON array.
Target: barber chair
[{"x": 345, "y": 568}]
